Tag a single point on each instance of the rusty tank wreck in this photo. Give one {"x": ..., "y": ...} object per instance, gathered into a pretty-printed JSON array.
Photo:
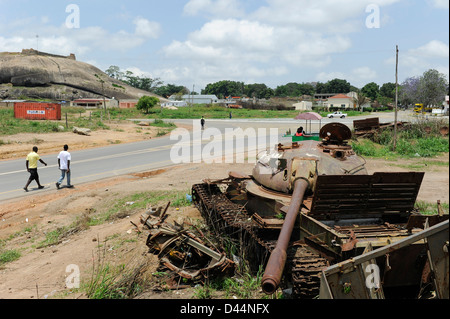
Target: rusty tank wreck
[{"x": 311, "y": 204}]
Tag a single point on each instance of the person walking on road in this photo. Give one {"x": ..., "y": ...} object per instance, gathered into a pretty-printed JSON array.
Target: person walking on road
[
  {"x": 202, "y": 122},
  {"x": 31, "y": 164},
  {"x": 64, "y": 159}
]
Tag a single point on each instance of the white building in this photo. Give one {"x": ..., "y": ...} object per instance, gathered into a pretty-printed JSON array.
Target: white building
[
  {"x": 303, "y": 106},
  {"x": 174, "y": 103},
  {"x": 340, "y": 101},
  {"x": 200, "y": 99}
]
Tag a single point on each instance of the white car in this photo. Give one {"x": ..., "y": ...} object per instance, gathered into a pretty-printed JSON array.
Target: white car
[{"x": 337, "y": 114}]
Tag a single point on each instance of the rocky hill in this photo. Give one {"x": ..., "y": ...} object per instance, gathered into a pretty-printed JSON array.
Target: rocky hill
[{"x": 34, "y": 74}]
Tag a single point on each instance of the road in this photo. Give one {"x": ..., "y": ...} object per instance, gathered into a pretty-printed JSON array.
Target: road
[{"x": 100, "y": 163}]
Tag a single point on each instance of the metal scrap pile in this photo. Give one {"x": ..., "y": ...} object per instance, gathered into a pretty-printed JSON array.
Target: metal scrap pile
[{"x": 181, "y": 249}]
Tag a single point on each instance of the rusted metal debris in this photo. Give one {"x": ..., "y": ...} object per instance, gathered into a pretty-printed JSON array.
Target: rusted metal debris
[
  {"x": 181, "y": 248},
  {"x": 371, "y": 126}
]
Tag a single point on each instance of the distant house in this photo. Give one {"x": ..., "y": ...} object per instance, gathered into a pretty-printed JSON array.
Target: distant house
[
  {"x": 10, "y": 103},
  {"x": 303, "y": 106},
  {"x": 199, "y": 99},
  {"x": 340, "y": 101},
  {"x": 174, "y": 103},
  {"x": 354, "y": 95},
  {"x": 127, "y": 104},
  {"x": 95, "y": 103}
]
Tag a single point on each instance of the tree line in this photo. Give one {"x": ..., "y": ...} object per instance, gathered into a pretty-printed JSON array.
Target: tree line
[{"x": 430, "y": 88}]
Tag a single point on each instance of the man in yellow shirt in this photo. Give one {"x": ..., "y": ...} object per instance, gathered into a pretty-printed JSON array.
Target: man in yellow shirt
[{"x": 31, "y": 163}]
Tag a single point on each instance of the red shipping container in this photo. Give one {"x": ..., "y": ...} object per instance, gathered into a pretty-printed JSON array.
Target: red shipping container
[{"x": 37, "y": 111}]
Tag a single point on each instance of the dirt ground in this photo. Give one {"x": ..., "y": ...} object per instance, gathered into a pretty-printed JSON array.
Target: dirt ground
[
  {"x": 42, "y": 272},
  {"x": 19, "y": 145}
]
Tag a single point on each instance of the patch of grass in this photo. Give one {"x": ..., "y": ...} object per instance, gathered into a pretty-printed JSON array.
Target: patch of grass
[
  {"x": 161, "y": 123},
  {"x": 162, "y": 133},
  {"x": 421, "y": 165},
  {"x": 426, "y": 208},
  {"x": 115, "y": 282},
  {"x": 131, "y": 204},
  {"x": 421, "y": 139},
  {"x": 9, "y": 256},
  {"x": 369, "y": 148},
  {"x": 56, "y": 236},
  {"x": 10, "y": 125}
]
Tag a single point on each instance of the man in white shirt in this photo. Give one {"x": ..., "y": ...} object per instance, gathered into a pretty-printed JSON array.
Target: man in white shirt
[{"x": 64, "y": 159}]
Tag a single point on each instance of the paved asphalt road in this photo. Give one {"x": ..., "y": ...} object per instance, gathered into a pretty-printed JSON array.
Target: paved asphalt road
[{"x": 96, "y": 164}]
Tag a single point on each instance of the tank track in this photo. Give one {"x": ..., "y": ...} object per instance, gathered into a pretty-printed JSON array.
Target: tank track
[
  {"x": 305, "y": 270},
  {"x": 227, "y": 218}
]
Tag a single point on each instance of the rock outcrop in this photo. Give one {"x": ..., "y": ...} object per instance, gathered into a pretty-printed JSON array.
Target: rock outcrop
[{"x": 34, "y": 74}]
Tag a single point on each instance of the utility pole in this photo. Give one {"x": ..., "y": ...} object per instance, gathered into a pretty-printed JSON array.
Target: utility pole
[{"x": 396, "y": 99}]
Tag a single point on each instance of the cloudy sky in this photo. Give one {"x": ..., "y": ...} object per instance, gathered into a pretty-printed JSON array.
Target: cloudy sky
[{"x": 196, "y": 42}]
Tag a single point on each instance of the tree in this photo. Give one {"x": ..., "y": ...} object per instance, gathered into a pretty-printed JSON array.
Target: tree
[
  {"x": 433, "y": 87},
  {"x": 114, "y": 72},
  {"x": 224, "y": 89},
  {"x": 146, "y": 103},
  {"x": 260, "y": 91},
  {"x": 337, "y": 86},
  {"x": 388, "y": 90},
  {"x": 360, "y": 100},
  {"x": 371, "y": 90},
  {"x": 408, "y": 91},
  {"x": 142, "y": 83},
  {"x": 171, "y": 89},
  {"x": 428, "y": 89}
]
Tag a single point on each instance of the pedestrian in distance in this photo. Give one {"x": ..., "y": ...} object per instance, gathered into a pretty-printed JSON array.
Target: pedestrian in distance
[
  {"x": 202, "y": 122},
  {"x": 32, "y": 164},
  {"x": 64, "y": 159}
]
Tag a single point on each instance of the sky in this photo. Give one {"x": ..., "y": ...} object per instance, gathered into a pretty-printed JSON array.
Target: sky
[{"x": 197, "y": 42}]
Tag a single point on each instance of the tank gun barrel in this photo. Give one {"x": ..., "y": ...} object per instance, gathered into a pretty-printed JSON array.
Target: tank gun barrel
[{"x": 275, "y": 266}]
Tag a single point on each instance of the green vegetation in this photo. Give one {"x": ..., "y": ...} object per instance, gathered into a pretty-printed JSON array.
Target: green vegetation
[
  {"x": 415, "y": 140},
  {"x": 146, "y": 103},
  {"x": 10, "y": 126},
  {"x": 114, "y": 282},
  {"x": 430, "y": 209},
  {"x": 9, "y": 256},
  {"x": 130, "y": 204}
]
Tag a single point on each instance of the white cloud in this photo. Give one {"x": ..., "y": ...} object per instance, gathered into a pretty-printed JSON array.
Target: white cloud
[
  {"x": 147, "y": 29},
  {"x": 278, "y": 37},
  {"x": 432, "y": 55},
  {"x": 214, "y": 8},
  {"x": 433, "y": 49},
  {"x": 327, "y": 76},
  {"x": 440, "y": 4},
  {"x": 63, "y": 40},
  {"x": 322, "y": 15},
  {"x": 364, "y": 73}
]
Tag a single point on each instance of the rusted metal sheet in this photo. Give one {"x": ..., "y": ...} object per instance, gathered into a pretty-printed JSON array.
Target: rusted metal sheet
[
  {"x": 366, "y": 126},
  {"x": 361, "y": 277},
  {"x": 352, "y": 196},
  {"x": 437, "y": 244}
]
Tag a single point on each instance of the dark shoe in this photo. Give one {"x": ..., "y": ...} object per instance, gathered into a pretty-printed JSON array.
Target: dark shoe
[
  {"x": 57, "y": 185},
  {"x": 41, "y": 187},
  {"x": 69, "y": 186},
  {"x": 25, "y": 189}
]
